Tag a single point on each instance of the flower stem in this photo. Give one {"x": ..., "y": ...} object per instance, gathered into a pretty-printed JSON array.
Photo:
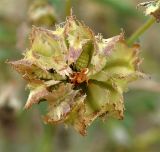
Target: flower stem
[
  {"x": 68, "y": 7},
  {"x": 140, "y": 31}
]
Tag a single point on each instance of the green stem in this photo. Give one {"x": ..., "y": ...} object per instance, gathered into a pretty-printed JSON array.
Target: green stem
[
  {"x": 140, "y": 31},
  {"x": 68, "y": 7}
]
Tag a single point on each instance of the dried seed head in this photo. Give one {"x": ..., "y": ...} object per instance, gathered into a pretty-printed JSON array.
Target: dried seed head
[
  {"x": 82, "y": 76},
  {"x": 152, "y": 8}
]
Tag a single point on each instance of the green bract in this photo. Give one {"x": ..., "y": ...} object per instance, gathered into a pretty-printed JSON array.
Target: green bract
[{"x": 81, "y": 76}]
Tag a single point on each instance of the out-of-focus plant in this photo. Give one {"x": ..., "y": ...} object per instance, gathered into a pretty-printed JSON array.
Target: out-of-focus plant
[
  {"x": 9, "y": 108},
  {"x": 122, "y": 8},
  {"x": 41, "y": 14}
]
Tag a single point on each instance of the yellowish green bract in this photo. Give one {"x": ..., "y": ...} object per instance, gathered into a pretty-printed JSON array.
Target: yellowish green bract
[{"x": 55, "y": 57}]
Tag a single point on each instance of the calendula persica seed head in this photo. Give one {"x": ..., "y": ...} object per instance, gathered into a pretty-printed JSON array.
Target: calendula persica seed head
[{"x": 81, "y": 76}]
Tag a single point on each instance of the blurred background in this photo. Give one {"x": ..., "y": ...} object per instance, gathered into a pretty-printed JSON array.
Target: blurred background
[{"x": 24, "y": 131}]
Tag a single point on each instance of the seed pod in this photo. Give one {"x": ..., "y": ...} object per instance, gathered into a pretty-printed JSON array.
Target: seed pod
[{"x": 80, "y": 75}]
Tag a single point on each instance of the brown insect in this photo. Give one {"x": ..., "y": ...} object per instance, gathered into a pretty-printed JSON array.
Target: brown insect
[{"x": 79, "y": 77}]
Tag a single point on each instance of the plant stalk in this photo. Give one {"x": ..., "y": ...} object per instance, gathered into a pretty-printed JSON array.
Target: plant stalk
[
  {"x": 140, "y": 31},
  {"x": 68, "y": 7}
]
